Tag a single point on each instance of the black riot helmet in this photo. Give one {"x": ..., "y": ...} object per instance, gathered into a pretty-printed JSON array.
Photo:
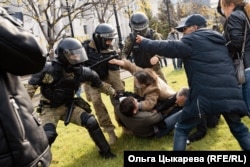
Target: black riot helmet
[
  {"x": 102, "y": 33},
  {"x": 139, "y": 23},
  {"x": 71, "y": 52}
]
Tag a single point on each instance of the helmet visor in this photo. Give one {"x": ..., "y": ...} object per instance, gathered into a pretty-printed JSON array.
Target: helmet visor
[
  {"x": 76, "y": 56},
  {"x": 109, "y": 35},
  {"x": 140, "y": 27}
]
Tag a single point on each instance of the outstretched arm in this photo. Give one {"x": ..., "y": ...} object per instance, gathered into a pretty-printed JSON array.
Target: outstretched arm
[
  {"x": 126, "y": 64},
  {"x": 90, "y": 76},
  {"x": 117, "y": 62},
  {"x": 167, "y": 48},
  {"x": 139, "y": 38}
]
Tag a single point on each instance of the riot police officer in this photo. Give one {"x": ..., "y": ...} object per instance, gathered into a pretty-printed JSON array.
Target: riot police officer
[
  {"x": 58, "y": 81},
  {"x": 139, "y": 24},
  {"x": 100, "y": 48}
]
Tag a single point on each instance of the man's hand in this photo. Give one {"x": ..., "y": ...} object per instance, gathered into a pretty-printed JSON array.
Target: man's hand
[
  {"x": 154, "y": 111},
  {"x": 117, "y": 62},
  {"x": 119, "y": 94},
  {"x": 107, "y": 89},
  {"x": 154, "y": 60},
  {"x": 113, "y": 61},
  {"x": 139, "y": 39}
]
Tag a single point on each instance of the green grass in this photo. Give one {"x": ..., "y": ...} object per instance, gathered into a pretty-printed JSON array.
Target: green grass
[{"x": 74, "y": 148}]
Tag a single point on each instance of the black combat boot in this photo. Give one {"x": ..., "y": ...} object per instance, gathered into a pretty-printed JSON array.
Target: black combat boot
[{"x": 95, "y": 132}]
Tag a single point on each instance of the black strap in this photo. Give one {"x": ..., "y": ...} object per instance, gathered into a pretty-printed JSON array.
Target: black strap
[
  {"x": 245, "y": 36},
  {"x": 104, "y": 60},
  {"x": 133, "y": 39}
]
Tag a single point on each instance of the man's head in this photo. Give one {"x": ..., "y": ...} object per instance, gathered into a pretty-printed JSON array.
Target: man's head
[
  {"x": 128, "y": 106},
  {"x": 192, "y": 23},
  {"x": 181, "y": 96},
  {"x": 71, "y": 52},
  {"x": 104, "y": 35},
  {"x": 226, "y": 7},
  {"x": 139, "y": 23},
  {"x": 145, "y": 77}
]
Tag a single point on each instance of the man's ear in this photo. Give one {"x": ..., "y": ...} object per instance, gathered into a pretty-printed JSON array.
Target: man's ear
[
  {"x": 135, "y": 110},
  {"x": 136, "y": 107},
  {"x": 195, "y": 27}
]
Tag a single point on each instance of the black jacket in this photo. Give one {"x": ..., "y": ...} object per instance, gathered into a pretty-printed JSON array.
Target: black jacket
[
  {"x": 234, "y": 33},
  {"x": 59, "y": 86},
  {"x": 23, "y": 140},
  {"x": 209, "y": 69}
]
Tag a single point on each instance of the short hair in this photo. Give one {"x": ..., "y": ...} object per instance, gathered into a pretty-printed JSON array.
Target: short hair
[
  {"x": 235, "y": 2},
  {"x": 146, "y": 76},
  {"x": 127, "y": 106},
  {"x": 183, "y": 92}
]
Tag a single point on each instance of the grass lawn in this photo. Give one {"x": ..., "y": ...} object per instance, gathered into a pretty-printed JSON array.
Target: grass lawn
[{"x": 74, "y": 148}]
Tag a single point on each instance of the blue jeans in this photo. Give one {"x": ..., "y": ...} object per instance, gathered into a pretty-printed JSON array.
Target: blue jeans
[
  {"x": 179, "y": 63},
  {"x": 169, "y": 123},
  {"x": 237, "y": 128},
  {"x": 246, "y": 90}
]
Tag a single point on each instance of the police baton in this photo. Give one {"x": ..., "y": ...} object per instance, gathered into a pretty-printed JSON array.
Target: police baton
[
  {"x": 69, "y": 113},
  {"x": 104, "y": 60}
]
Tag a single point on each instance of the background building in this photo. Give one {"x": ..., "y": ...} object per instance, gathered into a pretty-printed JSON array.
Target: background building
[{"x": 83, "y": 27}]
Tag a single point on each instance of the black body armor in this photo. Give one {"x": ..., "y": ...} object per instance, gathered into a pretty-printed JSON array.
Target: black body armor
[{"x": 142, "y": 59}]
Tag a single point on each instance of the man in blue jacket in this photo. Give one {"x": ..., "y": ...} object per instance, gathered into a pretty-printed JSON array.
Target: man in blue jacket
[{"x": 211, "y": 77}]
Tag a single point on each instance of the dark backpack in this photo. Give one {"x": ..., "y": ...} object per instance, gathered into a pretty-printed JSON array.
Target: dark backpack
[{"x": 23, "y": 141}]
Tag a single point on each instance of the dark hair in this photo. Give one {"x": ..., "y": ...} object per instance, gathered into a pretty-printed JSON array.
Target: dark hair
[
  {"x": 146, "y": 76},
  {"x": 127, "y": 106},
  {"x": 183, "y": 92},
  {"x": 235, "y": 2}
]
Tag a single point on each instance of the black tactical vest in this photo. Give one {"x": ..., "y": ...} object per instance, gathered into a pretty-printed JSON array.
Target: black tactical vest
[
  {"x": 93, "y": 58},
  {"x": 62, "y": 89},
  {"x": 142, "y": 59}
]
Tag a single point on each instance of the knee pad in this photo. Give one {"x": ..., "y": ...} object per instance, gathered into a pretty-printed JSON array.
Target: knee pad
[
  {"x": 50, "y": 131},
  {"x": 89, "y": 121}
]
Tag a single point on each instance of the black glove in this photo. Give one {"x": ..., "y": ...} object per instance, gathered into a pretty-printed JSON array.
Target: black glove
[{"x": 119, "y": 94}]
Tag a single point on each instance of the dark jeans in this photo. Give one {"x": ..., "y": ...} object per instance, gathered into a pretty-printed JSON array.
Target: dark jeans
[
  {"x": 164, "y": 62},
  {"x": 246, "y": 90},
  {"x": 177, "y": 63},
  {"x": 209, "y": 122},
  {"x": 200, "y": 132},
  {"x": 169, "y": 124},
  {"x": 237, "y": 128},
  {"x": 174, "y": 63}
]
